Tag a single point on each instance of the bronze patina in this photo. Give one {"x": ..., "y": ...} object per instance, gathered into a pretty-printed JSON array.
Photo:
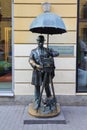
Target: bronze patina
[{"x": 42, "y": 62}]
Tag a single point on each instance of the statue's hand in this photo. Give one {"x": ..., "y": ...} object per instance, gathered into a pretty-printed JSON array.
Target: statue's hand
[
  {"x": 53, "y": 53},
  {"x": 34, "y": 65},
  {"x": 39, "y": 67}
]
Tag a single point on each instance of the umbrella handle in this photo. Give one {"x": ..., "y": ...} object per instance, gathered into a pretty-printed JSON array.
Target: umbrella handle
[{"x": 47, "y": 40}]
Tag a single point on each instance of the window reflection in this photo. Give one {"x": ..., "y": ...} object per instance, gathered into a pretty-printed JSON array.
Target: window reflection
[
  {"x": 82, "y": 47},
  {"x": 5, "y": 45}
]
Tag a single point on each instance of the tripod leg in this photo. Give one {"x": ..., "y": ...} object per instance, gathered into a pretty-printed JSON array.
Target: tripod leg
[
  {"x": 43, "y": 86},
  {"x": 53, "y": 92}
]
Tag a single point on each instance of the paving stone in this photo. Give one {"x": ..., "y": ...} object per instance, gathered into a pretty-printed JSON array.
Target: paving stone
[{"x": 12, "y": 118}]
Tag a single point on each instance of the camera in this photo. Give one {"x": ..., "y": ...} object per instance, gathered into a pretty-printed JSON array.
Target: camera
[{"x": 48, "y": 64}]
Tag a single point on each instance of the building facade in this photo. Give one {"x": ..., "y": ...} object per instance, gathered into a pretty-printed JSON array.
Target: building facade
[
  {"x": 69, "y": 71},
  {"x": 24, "y": 13}
]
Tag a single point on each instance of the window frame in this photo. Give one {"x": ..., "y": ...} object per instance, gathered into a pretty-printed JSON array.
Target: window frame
[
  {"x": 77, "y": 40},
  {"x": 11, "y": 92}
]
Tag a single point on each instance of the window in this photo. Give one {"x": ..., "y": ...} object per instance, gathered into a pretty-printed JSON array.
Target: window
[
  {"x": 82, "y": 47},
  {"x": 5, "y": 45}
]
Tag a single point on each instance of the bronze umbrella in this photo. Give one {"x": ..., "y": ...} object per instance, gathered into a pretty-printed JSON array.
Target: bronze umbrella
[{"x": 48, "y": 23}]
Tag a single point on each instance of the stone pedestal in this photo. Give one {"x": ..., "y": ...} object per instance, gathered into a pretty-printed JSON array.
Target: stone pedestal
[{"x": 28, "y": 119}]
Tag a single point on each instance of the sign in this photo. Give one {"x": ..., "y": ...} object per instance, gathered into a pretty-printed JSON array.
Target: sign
[{"x": 64, "y": 50}]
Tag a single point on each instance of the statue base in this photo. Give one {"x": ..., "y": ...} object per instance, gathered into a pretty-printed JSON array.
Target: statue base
[{"x": 43, "y": 111}]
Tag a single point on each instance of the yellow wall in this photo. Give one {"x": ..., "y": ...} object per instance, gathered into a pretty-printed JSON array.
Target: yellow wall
[{"x": 25, "y": 41}]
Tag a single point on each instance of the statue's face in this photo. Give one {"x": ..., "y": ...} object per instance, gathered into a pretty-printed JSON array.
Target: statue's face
[{"x": 40, "y": 44}]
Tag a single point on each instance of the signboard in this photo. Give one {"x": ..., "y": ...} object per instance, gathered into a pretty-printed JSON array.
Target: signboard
[{"x": 64, "y": 50}]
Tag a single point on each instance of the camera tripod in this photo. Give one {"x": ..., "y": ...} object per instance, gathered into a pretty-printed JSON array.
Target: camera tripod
[{"x": 47, "y": 70}]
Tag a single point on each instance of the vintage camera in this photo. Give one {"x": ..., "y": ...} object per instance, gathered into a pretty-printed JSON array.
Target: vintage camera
[{"x": 48, "y": 64}]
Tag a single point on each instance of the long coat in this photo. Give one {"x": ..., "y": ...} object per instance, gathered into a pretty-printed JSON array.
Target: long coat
[{"x": 37, "y": 76}]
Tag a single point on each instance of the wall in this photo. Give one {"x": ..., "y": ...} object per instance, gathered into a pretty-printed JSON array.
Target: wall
[{"x": 25, "y": 41}]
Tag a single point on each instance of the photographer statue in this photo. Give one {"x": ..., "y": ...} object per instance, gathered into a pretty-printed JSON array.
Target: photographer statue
[{"x": 37, "y": 61}]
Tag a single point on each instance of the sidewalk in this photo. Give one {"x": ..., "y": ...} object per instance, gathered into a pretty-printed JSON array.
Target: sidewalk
[{"x": 11, "y": 118}]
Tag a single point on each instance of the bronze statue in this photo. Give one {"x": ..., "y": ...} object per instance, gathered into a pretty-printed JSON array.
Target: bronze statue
[{"x": 41, "y": 59}]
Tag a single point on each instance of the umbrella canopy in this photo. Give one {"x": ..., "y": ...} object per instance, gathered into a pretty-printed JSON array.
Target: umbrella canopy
[{"x": 48, "y": 23}]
